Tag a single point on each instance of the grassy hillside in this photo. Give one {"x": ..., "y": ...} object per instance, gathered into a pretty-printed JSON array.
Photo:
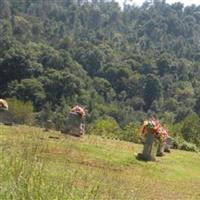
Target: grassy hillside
[{"x": 38, "y": 165}]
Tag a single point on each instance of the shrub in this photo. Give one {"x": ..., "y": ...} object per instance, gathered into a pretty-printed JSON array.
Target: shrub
[
  {"x": 176, "y": 142},
  {"x": 107, "y": 127},
  {"x": 190, "y": 129},
  {"x": 131, "y": 133},
  {"x": 174, "y": 130},
  {"x": 22, "y": 112},
  {"x": 188, "y": 147}
]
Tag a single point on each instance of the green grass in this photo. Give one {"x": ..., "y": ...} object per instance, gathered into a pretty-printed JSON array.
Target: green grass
[{"x": 35, "y": 166}]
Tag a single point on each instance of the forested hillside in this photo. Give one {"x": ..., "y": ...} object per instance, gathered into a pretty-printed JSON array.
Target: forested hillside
[{"x": 122, "y": 63}]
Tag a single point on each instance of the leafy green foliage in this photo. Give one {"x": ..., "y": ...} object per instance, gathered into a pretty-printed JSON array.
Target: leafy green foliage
[
  {"x": 188, "y": 147},
  {"x": 152, "y": 91},
  {"x": 28, "y": 90},
  {"x": 197, "y": 105},
  {"x": 120, "y": 63},
  {"x": 190, "y": 129},
  {"x": 131, "y": 133},
  {"x": 22, "y": 112},
  {"x": 106, "y": 127}
]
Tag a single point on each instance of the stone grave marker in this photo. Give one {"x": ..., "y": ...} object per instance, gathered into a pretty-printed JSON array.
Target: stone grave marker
[
  {"x": 74, "y": 125},
  {"x": 149, "y": 148}
]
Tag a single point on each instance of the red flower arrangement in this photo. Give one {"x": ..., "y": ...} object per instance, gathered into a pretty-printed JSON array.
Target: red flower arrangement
[
  {"x": 154, "y": 127},
  {"x": 79, "y": 110},
  {"x": 3, "y": 104}
]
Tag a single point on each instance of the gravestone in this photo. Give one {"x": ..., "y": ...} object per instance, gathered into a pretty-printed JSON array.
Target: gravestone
[
  {"x": 164, "y": 147},
  {"x": 5, "y": 117},
  {"x": 160, "y": 150},
  {"x": 167, "y": 145},
  {"x": 74, "y": 125},
  {"x": 149, "y": 148}
]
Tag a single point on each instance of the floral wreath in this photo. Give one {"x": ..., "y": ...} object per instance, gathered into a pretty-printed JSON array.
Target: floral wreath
[
  {"x": 79, "y": 110},
  {"x": 154, "y": 127}
]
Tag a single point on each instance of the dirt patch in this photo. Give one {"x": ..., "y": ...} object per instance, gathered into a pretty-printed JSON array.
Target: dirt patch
[
  {"x": 54, "y": 137},
  {"x": 76, "y": 157}
]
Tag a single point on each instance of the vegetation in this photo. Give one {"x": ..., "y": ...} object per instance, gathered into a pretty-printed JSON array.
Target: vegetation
[
  {"x": 118, "y": 63},
  {"x": 21, "y": 112},
  {"x": 34, "y": 165}
]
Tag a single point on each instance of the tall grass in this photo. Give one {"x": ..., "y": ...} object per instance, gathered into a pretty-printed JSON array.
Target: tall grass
[
  {"x": 33, "y": 166},
  {"x": 25, "y": 174},
  {"x": 29, "y": 172}
]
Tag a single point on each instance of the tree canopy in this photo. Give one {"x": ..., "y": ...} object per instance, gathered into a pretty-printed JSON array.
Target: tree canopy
[{"x": 117, "y": 62}]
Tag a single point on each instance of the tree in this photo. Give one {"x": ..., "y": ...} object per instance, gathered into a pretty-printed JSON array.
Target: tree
[
  {"x": 59, "y": 84},
  {"x": 28, "y": 90},
  {"x": 190, "y": 129},
  {"x": 45, "y": 114},
  {"x": 15, "y": 65},
  {"x": 197, "y": 106},
  {"x": 91, "y": 59},
  {"x": 50, "y": 58},
  {"x": 5, "y": 11},
  {"x": 6, "y": 36},
  {"x": 163, "y": 63},
  {"x": 152, "y": 90},
  {"x": 115, "y": 61},
  {"x": 104, "y": 88}
]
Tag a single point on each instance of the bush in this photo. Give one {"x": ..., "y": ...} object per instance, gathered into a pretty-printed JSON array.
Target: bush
[
  {"x": 189, "y": 147},
  {"x": 131, "y": 133},
  {"x": 22, "y": 112},
  {"x": 107, "y": 127},
  {"x": 190, "y": 129},
  {"x": 174, "y": 130},
  {"x": 174, "y": 144},
  {"x": 180, "y": 143}
]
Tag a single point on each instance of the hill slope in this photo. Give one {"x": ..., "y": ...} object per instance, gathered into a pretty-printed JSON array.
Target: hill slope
[{"x": 39, "y": 165}]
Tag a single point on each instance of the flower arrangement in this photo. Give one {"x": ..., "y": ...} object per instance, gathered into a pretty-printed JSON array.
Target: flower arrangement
[
  {"x": 3, "y": 104},
  {"x": 162, "y": 134},
  {"x": 79, "y": 110},
  {"x": 154, "y": 127}
]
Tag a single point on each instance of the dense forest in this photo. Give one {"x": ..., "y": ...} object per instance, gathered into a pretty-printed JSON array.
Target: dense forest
[{"x": 119, "y": 62}]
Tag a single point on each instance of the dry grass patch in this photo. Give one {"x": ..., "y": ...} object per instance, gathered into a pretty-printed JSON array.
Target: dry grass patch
[{"x": 42, "y": 165}]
